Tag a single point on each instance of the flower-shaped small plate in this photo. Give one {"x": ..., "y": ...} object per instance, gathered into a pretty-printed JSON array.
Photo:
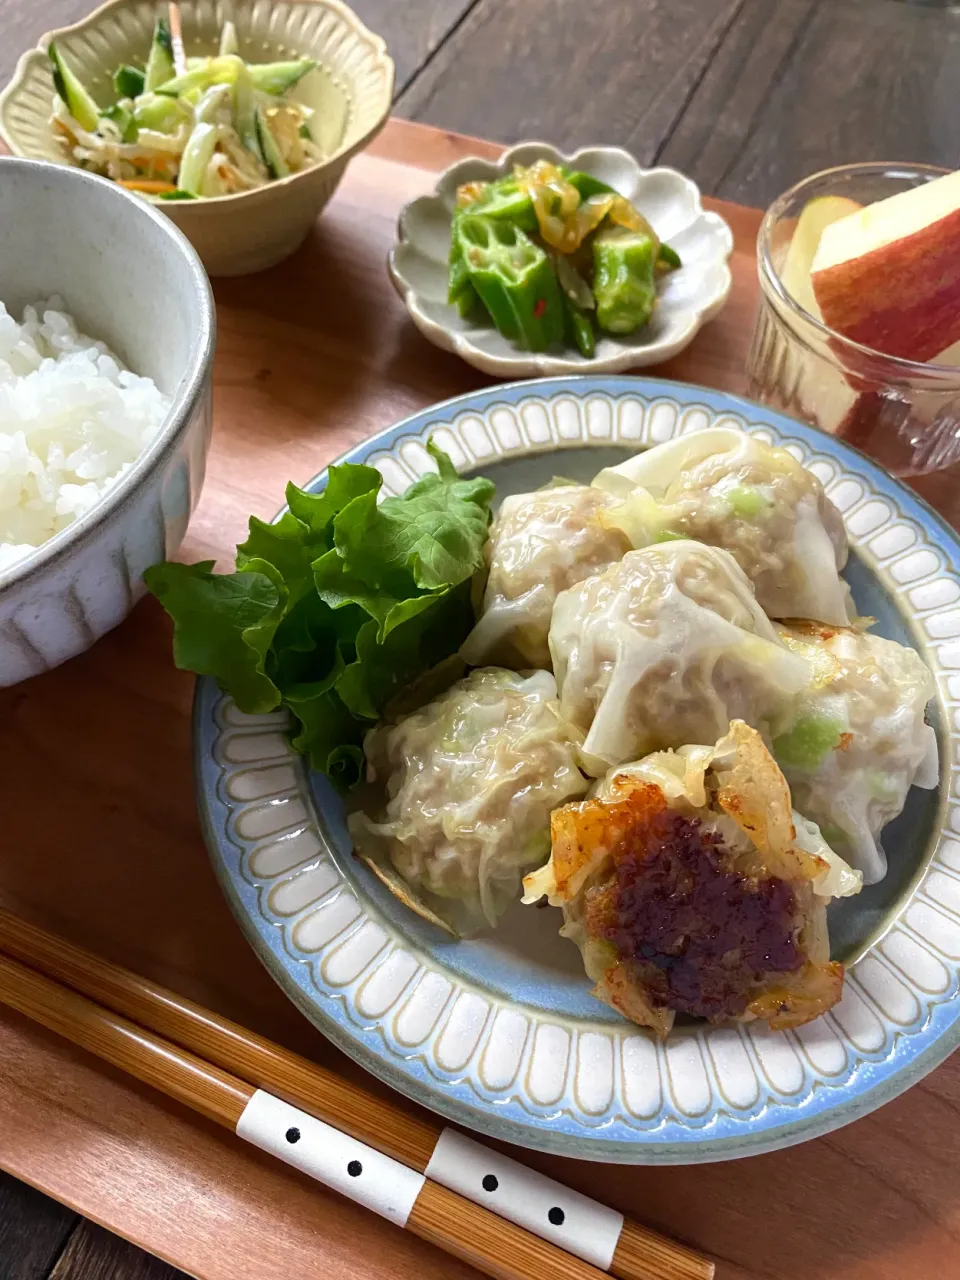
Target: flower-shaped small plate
[{"x": 687, "y": 298}]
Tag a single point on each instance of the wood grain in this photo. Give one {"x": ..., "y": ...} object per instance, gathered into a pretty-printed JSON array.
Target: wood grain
[
  {"x": 95, "y": 1254},
  {"x": 493, "y": 1246},
  {"x": 413, "y": 30},
  {"x": 101, "y": 843},
  {"x": 385, "y": 1125},
  {"x": 801, "y": 85},
  {"x": 206, "y": 1089},
  {"x": 747, "y": 96},
  {"x": 646, "y": 1256},
  {"x": 380, "y": 1122},
  {"x": 181, "y": 1187},
  {"x": 33, "y": 1231},
  {"x": 571, "y": 73},
  {"x": 463, "y": 1230}
]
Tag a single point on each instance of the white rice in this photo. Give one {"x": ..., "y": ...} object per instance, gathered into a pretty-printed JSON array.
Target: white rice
[{"x": 72, "y": 421}]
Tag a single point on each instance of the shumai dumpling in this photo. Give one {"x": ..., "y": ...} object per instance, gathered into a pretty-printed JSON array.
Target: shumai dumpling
[
  {"x": 690, "y": 886},
  {"x": 729, "y": 489},
  {"x": 857, "y": 739},
  {"x": 663, "y": 648},
  {"x": 540, "y": 543},
  {"x": 466, "y": 786}
]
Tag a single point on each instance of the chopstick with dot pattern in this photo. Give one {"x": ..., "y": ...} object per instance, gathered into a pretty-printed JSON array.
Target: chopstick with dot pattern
[{"x": 438, "y": 1179}]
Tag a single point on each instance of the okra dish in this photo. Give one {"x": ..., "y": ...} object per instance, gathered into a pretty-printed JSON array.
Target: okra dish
[
  {"x": 551, "y": 256},
  {"x": 183, "y": 128}
]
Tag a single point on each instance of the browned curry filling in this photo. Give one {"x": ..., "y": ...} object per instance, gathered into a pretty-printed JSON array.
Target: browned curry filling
[{"x": 699, "y": 936}]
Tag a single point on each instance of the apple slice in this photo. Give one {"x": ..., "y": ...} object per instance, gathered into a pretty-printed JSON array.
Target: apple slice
[
  {"x": 821, "y": 392},
  {"x": 814, "y": 219},
  {"x": 888, "y": 276}
]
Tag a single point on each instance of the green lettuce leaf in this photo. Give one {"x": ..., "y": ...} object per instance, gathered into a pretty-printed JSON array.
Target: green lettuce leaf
[
  {"x": 344, "y": 483},
  {"x": 311, "y": 642},
  {"x": 224, "y": 624},
  {"x": 384, "y": 669},
  {"x": 337, "y": 607},
  {"x": 338, "y": 587},
  {"x": 331, "y": 737},
  {"x": 286, "y": 545},
  {"x": 435, "y": 532}
]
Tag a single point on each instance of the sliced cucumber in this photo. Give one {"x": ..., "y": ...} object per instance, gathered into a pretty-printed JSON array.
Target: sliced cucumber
[
  {"x": 211, "y": 103},
  {"x": 245, "y": 112},
  {"x": 162, "y": 115},
  {"x": 128, "y": 81},
  {"x": 196, "y": 156},
  {"x": 212, "y": 71},
  {"x": 122, "y": 117},
  {"x": 75, "y": 96},
  {"x": 277, "y": 167},
  {"x": 228, "y": 38},
  {"x": 160, "y": 64},
  {"x": 177, "y": 195},
  {"x": 278, "y": 77}
]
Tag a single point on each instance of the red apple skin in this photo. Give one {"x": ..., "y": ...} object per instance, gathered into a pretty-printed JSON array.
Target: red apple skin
[{"x": 902, "y": 298}]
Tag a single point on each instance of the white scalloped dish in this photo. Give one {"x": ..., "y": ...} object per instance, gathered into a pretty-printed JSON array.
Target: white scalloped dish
[
  {"x": 500, "y": 1032},
  {"x": 687, "y": 298}
]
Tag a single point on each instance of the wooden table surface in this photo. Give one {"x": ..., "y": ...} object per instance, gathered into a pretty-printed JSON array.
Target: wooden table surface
[{"x": 100, "y": 832}]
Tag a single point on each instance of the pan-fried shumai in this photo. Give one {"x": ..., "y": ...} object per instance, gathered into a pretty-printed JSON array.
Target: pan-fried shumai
[
  {"x": 462, "y": 794},
  {"x": 856, "y": 740},
  {"x": 540, "y": 544},
  {"x": 730, "y": 489},
  {"x": 691, "y": 886}
]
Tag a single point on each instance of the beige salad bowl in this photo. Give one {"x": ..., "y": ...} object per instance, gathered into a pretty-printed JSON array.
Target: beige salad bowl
[{"x": 350, "y": 90}]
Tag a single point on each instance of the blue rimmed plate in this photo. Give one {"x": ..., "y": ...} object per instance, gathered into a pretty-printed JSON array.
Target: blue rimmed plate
[{"x": 500, "y": 1033}]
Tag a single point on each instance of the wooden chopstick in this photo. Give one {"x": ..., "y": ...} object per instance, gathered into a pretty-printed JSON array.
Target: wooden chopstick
[
  {"x": 639, "y": 1254},
  {"x": 492, "y": 1245},
  {"x": 176, "y": 39}
]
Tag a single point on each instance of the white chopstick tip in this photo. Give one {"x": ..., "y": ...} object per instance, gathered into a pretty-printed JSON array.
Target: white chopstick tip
[{"x": 331, "y": 1157}]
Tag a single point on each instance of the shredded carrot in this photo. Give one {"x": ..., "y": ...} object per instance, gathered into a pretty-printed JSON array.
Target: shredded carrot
[{"x": 149, "y": 186}]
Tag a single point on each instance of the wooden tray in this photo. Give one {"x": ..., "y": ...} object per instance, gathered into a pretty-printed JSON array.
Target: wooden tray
[{"x": 101, "y": 842}]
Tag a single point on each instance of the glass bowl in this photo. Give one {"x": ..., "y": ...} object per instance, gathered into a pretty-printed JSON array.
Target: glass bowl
[{"x": 904, "y": 414}]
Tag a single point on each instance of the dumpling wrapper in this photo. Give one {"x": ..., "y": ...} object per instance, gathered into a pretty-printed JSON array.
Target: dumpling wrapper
[
  {"x": 690, "y": 886},
  {"x": 726, "y": 488},
  {"x": 540, "y": 543},
  {"x": 465, "y": 787},
  {"x": 665, "y": 648},
  {"x": 858, "y": 737}
]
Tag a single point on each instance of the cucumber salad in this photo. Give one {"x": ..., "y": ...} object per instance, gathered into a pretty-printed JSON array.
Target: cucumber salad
[
  {"x": 184, "y": 128},
  {"x": 551, "y": 256}
]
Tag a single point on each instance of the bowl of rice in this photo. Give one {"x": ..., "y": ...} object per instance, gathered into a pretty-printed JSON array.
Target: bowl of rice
[{"x": 107, "y": 330}]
